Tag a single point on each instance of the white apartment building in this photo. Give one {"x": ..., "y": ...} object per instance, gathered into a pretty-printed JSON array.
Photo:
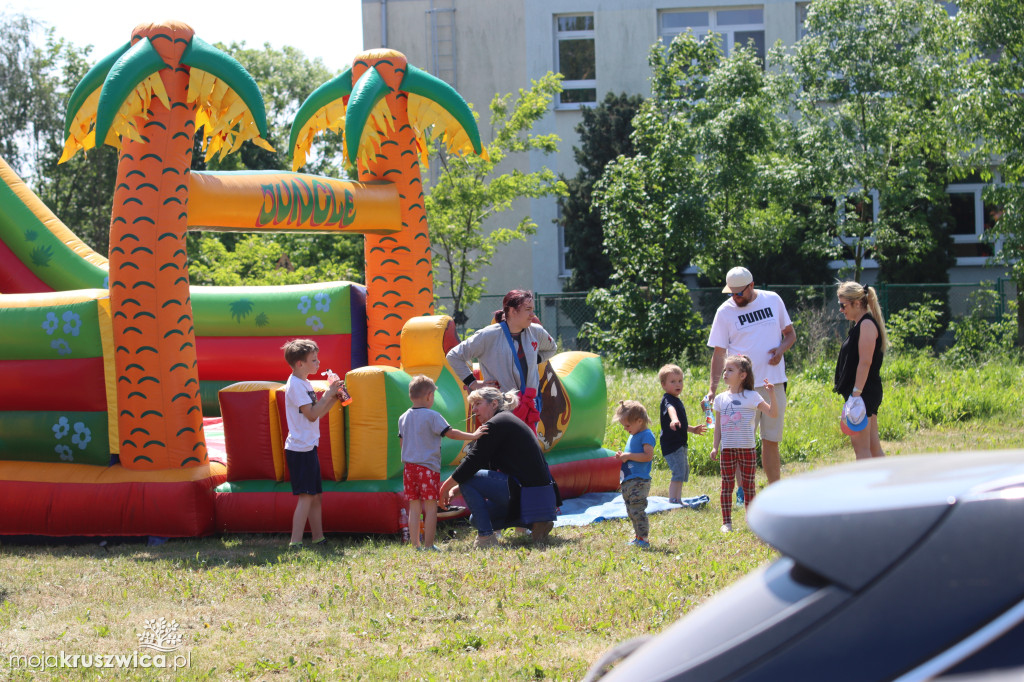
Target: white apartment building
[{"x": 483, "y": 47}]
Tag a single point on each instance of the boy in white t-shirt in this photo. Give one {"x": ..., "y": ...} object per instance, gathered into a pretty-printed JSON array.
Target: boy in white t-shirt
[
  {"x": 302, "y": 412},
  {"x": 421, "y": 429}
]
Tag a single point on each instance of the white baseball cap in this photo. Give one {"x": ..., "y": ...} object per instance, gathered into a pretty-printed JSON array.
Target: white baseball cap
[
  {"x": 848, "y": 426},
  {"x": 737, "y": 278}
]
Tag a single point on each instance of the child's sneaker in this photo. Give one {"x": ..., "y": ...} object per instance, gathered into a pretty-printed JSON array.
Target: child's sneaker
[
  {"x": 432, "y": 548},
  {"x": 639, "y": 542},
  {"x": 726, "y": 527},
  {"x": 739, "y": 495}
]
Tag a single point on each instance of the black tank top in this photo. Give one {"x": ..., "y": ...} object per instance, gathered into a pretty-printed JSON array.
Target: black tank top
[{"x": 849, "y": 358}]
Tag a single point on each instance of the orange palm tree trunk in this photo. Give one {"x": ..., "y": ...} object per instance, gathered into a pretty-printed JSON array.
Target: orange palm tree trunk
[
  {"x": 160, "y": 421},
  {"x": 399, "y": 281}
]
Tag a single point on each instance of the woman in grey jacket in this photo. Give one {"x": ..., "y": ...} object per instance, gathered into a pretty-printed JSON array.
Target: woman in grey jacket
[{"x": 508, "y": 352}]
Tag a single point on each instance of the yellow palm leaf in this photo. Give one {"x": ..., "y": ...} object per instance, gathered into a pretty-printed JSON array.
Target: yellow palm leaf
[
  {"x": 79, "y": 133},
  {"x": 262, "y": 144},
  {"x": 223, "y": 114},
  {"x": 425, "y": 114},
  {"x": 220, "y": 88},
  {"x": 202, "y": 119},
  {"x": 155, "y": 86}
]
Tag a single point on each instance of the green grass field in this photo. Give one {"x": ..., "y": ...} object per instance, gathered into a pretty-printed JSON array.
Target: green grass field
[{"x": 371, "y": 608}]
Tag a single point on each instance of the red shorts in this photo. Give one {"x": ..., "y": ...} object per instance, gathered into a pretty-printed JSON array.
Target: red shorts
[{"x": 421, "y": 483}]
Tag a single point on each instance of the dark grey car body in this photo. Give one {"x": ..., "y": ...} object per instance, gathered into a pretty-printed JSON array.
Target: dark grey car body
[{"x": 898, "y": 568}]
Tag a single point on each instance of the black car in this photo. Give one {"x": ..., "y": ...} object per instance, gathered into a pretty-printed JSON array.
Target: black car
[{"x": 904, "y": 568}]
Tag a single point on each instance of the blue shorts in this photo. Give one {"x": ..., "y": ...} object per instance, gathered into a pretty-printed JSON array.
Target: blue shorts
[
  {"x": 304, "y": 472},
  {"x": 679, "y": 465}
]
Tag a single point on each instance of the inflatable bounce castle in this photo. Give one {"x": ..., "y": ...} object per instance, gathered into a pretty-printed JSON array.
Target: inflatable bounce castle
[{"x": 135, "y": 404}]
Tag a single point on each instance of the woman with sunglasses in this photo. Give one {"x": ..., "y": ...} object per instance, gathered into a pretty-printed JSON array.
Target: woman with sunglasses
[
  {"x": 860, "y": 361},
  {"x": 509, "y": 352}
]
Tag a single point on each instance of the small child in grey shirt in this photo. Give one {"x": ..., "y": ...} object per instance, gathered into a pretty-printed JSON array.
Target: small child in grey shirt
[{"x": 421, "y": 429}]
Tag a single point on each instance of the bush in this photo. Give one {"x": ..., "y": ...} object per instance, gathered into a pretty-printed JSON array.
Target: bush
[
  {"x": 636, "y": 329},
  {"x": 914, "y": 326},
  {"x": 818, "y": 336},
  {"x": 983, "y": 333},
  {"x": 903, "y": 368}
]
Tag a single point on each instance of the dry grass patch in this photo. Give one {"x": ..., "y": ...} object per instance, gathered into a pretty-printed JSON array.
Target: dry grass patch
[{"x": 371, "y": 607}]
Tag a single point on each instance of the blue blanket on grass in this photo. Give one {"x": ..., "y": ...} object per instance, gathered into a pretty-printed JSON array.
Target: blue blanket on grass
[{"x": 594, "y": 507}]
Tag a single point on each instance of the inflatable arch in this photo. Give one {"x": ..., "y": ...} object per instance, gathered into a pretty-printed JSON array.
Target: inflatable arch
[{"x": 109, "y": 365}]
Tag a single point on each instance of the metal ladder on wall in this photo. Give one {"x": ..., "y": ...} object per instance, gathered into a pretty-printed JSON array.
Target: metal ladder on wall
[{"x": 441, "y": 38}]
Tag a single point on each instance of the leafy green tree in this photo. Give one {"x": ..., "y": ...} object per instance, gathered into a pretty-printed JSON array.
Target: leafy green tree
[
  {"x": 18, "y": 80},
  {"x": 35, "y": 83},
  {"x": 757, "y": 200},
  {"x": 464, "y": 206},
  {"x": 653, "y": 226},
  {"x": 878, "y": 82},
  {"x": 605, "y": 133},
  {"x": 712, "y": 184},
  {"x": 997, "y": 31},
  {"x": 256, "y": 260}
]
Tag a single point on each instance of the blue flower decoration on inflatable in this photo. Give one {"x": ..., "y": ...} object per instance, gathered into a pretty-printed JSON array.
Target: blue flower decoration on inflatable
[
  {"x": 61, "y": 428},
  {"x": 65, "y": 453},
  {"x": 51, "y": 323},
  {"x": 72, "y": 322},
  {"x": 81, "y": 436},
  {"x": 305, "y": 304},
  {"x": 61, "y": 346},
  {"x": 323, "y": 301},
  {"x": 314, "y": 323}
]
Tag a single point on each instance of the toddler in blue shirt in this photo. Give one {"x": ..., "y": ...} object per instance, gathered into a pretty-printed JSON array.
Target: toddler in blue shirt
[{"x": 636, "y": 467}]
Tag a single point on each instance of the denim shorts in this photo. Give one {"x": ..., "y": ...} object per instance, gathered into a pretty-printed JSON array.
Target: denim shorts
[{"x": 679, "y": 465}]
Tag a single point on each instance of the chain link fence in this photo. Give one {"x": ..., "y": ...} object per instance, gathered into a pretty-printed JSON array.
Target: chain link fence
[{"x": 564, "y": 314}]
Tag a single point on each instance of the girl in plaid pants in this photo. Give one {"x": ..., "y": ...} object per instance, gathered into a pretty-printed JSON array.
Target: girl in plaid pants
[{"x": 735, "y": 411}]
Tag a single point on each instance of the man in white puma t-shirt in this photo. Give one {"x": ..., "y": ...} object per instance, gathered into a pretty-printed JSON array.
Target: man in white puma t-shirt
[{"x": 755, "y": 323}]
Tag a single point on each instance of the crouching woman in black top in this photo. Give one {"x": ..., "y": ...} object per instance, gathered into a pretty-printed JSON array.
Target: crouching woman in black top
[
  {"x": 860, "y": 361},
  {"x": 496, "y": 470}
]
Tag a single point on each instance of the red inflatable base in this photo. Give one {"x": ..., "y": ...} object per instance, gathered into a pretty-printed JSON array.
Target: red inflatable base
[
  {"x": 128, "y": 509},
  {"x": 80, "y": 500},
  {"x": 343, "y": 512},
  {"x": 377, "y": 512}
]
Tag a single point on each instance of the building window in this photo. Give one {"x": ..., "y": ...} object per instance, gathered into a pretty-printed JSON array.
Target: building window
[
  {"x": 575, "y": 60},
  {"x": 734, "y": 25},
  {"x": 801, "y": 19},
  {"x": 971, "y": 217}
]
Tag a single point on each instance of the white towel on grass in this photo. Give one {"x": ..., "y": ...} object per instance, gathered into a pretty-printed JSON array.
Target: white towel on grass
[{"x": 594, "y": 507}]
